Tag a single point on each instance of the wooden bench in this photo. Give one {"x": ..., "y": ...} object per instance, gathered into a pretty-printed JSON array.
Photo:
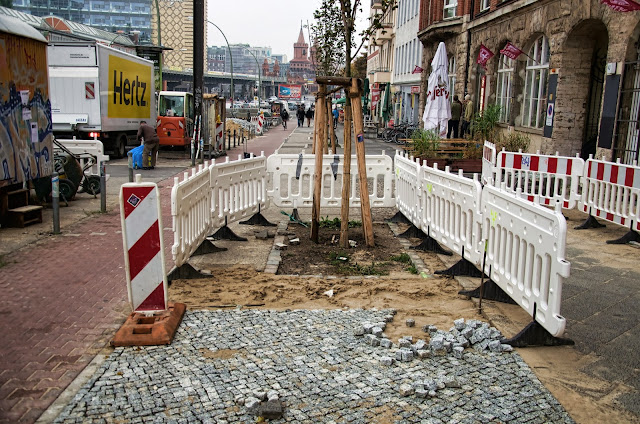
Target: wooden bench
[{"x": 24, "y": 215}]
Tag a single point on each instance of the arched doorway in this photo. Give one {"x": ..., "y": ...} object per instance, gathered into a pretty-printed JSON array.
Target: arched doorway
[{"x": 584, "y": 59}]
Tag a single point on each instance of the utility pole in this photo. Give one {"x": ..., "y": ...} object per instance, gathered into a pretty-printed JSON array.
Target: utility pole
[{"x": 198, "y": 65}]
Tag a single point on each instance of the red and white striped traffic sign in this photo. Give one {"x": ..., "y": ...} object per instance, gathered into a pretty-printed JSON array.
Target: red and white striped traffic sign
[
  {"x": 143, "y": 243},
  {"x": 89, "y": 90},
  {"x": 219, "y": 135}
]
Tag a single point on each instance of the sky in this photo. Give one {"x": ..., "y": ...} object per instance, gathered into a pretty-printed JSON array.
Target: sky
[{"x": 263, "y": 23}]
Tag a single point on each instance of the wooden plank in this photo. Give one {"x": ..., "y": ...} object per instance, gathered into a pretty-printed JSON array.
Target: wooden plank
[{"x": 346, "y": 178}]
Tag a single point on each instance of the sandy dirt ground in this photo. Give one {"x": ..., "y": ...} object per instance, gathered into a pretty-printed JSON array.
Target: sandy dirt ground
[{"x": 432, "y": 300}]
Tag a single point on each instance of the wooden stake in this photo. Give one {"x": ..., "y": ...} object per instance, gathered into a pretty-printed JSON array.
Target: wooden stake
[
  {"x": 315, "y": 128},
  {"x": 325, "y": 140},
  {"x": 358, "y": 125},
  {"x": 321, "y": 122},
  {"x": 346, "y": 177}
]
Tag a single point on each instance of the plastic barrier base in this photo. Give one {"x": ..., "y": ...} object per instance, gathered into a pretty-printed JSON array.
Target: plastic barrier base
[
  {"x": 226, "y": 233},
  {"x": 590, "y": 222},
  {"x": 413, "y": 232},
  {"x": 186, "y": 272},
  {"x": 463, "y": 268},
  {"x": 630, "y": 236},
  {"x": 430, "y": 244},
  {"x": 399, "y": 218},
  {"x": 207, "y": 247},
  {"x": 491, "y": 291},
  {"x": 142, "y": 330},
  {"x": 535, "y": 335},
  {"x": 258, "y": 219}
]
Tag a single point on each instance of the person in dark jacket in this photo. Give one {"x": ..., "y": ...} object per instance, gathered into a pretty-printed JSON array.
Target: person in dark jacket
[
  {"x": 285, "y": 117},
  {"x": 309, "y": 115},
  {"x": 454, "y": 122},
  {"x": 300, "y": 115},
  {"x": 151, "y": 145}
]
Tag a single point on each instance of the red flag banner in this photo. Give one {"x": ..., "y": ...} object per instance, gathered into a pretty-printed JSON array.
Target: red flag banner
[
  {"x": 622, "y": 5},
  {"x": 417, "y": 70},
  {"x": 484, "y": 55},
  {"x": 511, "y": 51}
]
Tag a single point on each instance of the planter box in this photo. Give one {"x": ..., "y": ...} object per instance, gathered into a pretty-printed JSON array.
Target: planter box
[{"x": 468, "y": 166}]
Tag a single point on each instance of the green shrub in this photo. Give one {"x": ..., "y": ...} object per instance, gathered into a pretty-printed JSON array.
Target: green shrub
[{"x": 425, "y": 143}]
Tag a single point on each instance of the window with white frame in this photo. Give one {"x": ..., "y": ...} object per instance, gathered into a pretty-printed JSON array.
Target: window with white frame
[
  {"x": 505, "y": 87},
  {"x": 535, "y": 85},
  {"x": 484, "y": 5},
  {"x": 450, "y": 7},
  {"x": 452, "y": 76}
]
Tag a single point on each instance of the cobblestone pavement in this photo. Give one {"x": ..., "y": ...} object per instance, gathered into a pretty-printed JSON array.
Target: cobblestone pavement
[{"x": 319, "y": 365}]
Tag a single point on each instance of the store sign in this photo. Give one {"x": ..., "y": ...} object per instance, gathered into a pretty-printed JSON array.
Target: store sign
[{"x": 415, "y": 89}]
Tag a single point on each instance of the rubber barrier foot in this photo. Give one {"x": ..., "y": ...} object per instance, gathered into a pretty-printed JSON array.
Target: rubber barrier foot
[
  {"x": 534, "y": 334},
  {"x": 463, "y": 268},
  {"x": 413, "y": 232},
  {"x": 430, "y": 244},
  {"x": 491, "y": 291},
  {"x": 226, "y": 233},
  {"x": 399, "y": 218},
  {"x": 630, "y": 236},
  {"x": 142, "y": 330},
  {"x": 207, "y": 247},
  {"x": 258, "y": 219},
  {"x": 186, "y": 272},
  {"x": 590, "y": 222}
]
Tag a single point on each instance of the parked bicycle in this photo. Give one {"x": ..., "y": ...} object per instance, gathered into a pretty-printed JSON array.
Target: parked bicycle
[{"x": 398, "y": 133}]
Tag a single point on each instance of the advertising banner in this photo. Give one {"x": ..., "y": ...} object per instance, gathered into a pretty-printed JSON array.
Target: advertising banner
[{"x": 290, "y": 91}]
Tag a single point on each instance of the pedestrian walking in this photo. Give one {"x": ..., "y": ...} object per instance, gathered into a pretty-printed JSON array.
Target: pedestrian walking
[
  {"x": 151, "y": 141},
  {"x": 285, "y": 116},
  {"x": 309, "y": 115},
  {"x": 300, "y": 115},
  {"x": 468, "y": 115},
  {"x": 336, "y": 115},
  {"x": 454, "y": 122}
]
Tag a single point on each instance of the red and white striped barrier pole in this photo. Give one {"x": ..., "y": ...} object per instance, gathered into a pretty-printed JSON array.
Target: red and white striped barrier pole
[
  {"x": 143, "y": 244},
  {"x": 218, "y": 135},
  {"x": 260, "y": 122}
]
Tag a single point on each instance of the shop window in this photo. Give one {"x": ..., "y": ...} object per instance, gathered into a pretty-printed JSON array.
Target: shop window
[
  {"x": 535, "y": 85},
  {"x": 504, "y": 89},
  {"x": 452, "y": 77}
]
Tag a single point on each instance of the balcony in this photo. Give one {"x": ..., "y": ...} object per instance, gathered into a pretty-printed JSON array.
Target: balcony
[
  {"x": 384, "y": 34},
  {"x": 376, "y": 4}
]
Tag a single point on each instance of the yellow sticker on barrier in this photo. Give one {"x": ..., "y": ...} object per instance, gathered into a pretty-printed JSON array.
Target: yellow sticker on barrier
[
  {"x": 429, "y": 188},
  {"x": 494, "y": 217}
]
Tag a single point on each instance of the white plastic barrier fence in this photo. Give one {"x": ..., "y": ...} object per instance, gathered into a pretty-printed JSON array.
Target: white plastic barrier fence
[
  {"x": 450, "y": 210},
  {"x": 525, "y": 249},
  {"x": 191, "y": 212},
  {"x": 239, "y": 189},
  {"x": 488, "y": 162},
  {"x": 550, "y": 178},
  {"x": 611, "y": 191},
  {"x": 407, "y": 186},
  {"x": 291, "y": 180},
  {"x": 84, "y": 148}
]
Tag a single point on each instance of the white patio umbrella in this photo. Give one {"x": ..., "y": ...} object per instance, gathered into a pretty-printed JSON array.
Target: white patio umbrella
[{"x": 437, "y": 110}]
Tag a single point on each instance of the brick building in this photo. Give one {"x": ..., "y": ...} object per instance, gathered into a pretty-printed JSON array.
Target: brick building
[{"x": 571, "y": 90}]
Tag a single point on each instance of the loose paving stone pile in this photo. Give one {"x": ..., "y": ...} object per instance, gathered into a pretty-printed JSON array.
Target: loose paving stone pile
[{"x": 311, "y": 366}]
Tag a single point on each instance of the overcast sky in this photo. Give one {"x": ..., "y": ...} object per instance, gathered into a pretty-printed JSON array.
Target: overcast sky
[{"x": 267, "y": 23}]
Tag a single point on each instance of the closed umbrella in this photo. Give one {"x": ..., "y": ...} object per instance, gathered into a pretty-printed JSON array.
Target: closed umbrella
[
  {"x": 437, "y": 110},
  {"x": 386, "y": 104}
]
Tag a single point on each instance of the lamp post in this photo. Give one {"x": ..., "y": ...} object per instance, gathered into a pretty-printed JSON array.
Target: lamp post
[
  {"x": 230, "y": 61},
  {"x": 259, "y": 80}
]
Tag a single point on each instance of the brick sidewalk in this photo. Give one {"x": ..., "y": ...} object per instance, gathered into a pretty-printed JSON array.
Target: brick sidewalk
[{"x": 63, "y": 299}]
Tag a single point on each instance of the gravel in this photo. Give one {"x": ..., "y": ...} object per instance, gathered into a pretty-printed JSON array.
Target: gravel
[{"x": 223, "y": 364}]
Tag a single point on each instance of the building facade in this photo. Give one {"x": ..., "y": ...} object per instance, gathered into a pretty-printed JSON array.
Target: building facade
[
  {"x": 405, "y": 78},
  {"x": 111, "y": 16},
  {"x": 572, "y": 88},
  {"x": 380, "y": 62}
]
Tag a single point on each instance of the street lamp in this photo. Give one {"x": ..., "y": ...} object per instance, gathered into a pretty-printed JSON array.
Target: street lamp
[
  {"x": 230, "y": 60},
  {"x": 259, "y": 80}
]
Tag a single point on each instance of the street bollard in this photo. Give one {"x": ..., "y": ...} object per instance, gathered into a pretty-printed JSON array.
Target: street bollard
[
  {"x": 55, "y": 201},
  {"x": 130, "y": 159},
  {"x": 193, "y": 152},
  {"x": 234, "y": 138},
  {"x": 103, "y": 187}
]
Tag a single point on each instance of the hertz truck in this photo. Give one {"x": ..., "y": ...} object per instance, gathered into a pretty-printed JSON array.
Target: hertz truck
[{"x": 97, "y": 91}]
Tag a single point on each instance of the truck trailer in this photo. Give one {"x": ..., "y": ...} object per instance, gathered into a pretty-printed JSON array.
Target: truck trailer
[{"x": 98, "y": 91}]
